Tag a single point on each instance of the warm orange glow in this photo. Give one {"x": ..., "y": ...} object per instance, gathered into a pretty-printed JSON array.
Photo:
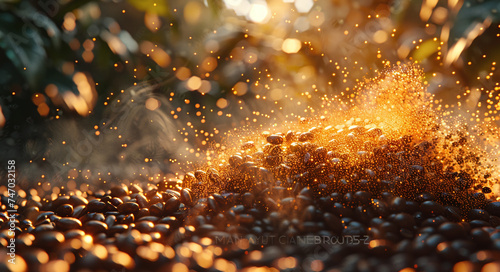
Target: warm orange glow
[
  {"x": 160, "y": 57},
  {"x": 69, "y": 23},
  {"x": 291, "y": 46},
  {"x": 152, "y": 104},
  {"x": 240, "y": 88},
  {"x": 192, "y": 12},
  {"x": 2, "y": 118},
  {"x": 193, "y": 83}
]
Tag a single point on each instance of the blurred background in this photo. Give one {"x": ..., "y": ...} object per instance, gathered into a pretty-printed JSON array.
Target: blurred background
[{"x": 116, "y": 89}]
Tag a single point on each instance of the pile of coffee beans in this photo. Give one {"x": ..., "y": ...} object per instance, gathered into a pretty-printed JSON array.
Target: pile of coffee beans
[
  {"x": 322, "y": 195},
  {"x": 357, "y": 202}
]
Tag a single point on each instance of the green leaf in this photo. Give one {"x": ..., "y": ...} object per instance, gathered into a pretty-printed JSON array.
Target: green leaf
[
  {"x": 35, "y": 19},
  {"x": 471, "y": 13},
  {"x": 216, "y": 6},
  {"x": 427, "y": 48},
  {"x": 23, "y": 45},
  {"x": 151, "y": 6}
]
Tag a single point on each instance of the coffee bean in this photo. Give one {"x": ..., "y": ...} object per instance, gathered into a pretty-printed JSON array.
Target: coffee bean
[
  {"x": 110, "y": 220},
  {"x": 480, "y": 237},
  {"x": 64, "y": 210},
  {"x": 74, "y": 233},
  {"x": 128, "y": 207},
  {"x": 479, "y": 224},
  {"x": 96, "y": 206},
  {"x": 494, "y": 221},
  {"x": 141, "y": 199},
  {"x": 148, "y": 218},
  {"x": 156, "y": 209},
  {"x": 94, "y": 227},
  {"x": 431, "y": 208},
  {"x": 363, "y": 198},
  {"x": 172, "y": 205},
  {"x": 275, "y": 139},
  {"x": 118, "y": 228},
  {"x": 452, "y": 230},
  {"x": 145, "y": 226},
  {"x": 434, "y": 240},
  {"x": 478, "y": 214},
  {"x": 68, "y": 223},
  {"x": 48, "y": 239},
  {"x": 452, "y": 213},
  {"x": 134, "y": 189},
  {"x": 248, "y": 145},
  {"x": 493, "y": 208},
  {"x": 119, "y": 191},
  {"x": 305, "y": 136},
  {"x": 235, "y": 161},
  {"x": 434, "y": 222},
  {"x": 142, "y": 212},
  {"x": 398, "y": 204},
  {"x": 186, "y": 197},
  {"x": 404, "y": 220},
  {"x": 43, "y": 228},
  {"x": 333, "y": 222},
  {"x": 128, "y": 219}
]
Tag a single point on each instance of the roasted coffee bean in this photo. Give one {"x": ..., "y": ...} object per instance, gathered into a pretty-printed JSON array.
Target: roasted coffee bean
[
  {"x": 235, "y": 161},
  {"x": 305, "y": 136},
  {"x": 186, "y": 197},
  {"x": 480, "y": 237},
  {"x": 64, "y": 210},
  {"x": 434, "y": 222},
  {"x": 119, "y": 191},
  {"x": 478, "y": 214},
  {"x": 118, "y": 228},
  {"x": 68, "y": 223},
  {"x": 128, "y": 219},
  {"x": 76, "y": 200},
  {"x": 248, "y": 145},
  {"x": 145, "y": 226},
  {"x": 452, "y": 213},
  {"x": 333, "y": 222},
  {"x": 275, "y": 139},
  {"x": 142, "y": 212},
  {"x": 452, "y": 230},
  {"x": 128, "y": 207},
  {"x": 134, "y": 189},
  {"x": 96, "y": 206},
  {"x": 141, "y": 199},
  {"x": 156, "y": 209},
  {"x": 493, "y": 208},
  {"x": 318, "y": 183},
  {"x": 75, "y": 233},
  {"x": 404, "y": 220},
  {"x": 172, "y": 205},
  {"x": 60, "y": 201},
  {"x": 479, "y": 224},
  {"x": 43, "y": 216},
  {"x": 431, "y": 208},
  {"x": 398, "y": 204},
  {"x": 94, "y": 227},
  {"x": 48, "y": 239},
  {"x": 110, "y": 220}
]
